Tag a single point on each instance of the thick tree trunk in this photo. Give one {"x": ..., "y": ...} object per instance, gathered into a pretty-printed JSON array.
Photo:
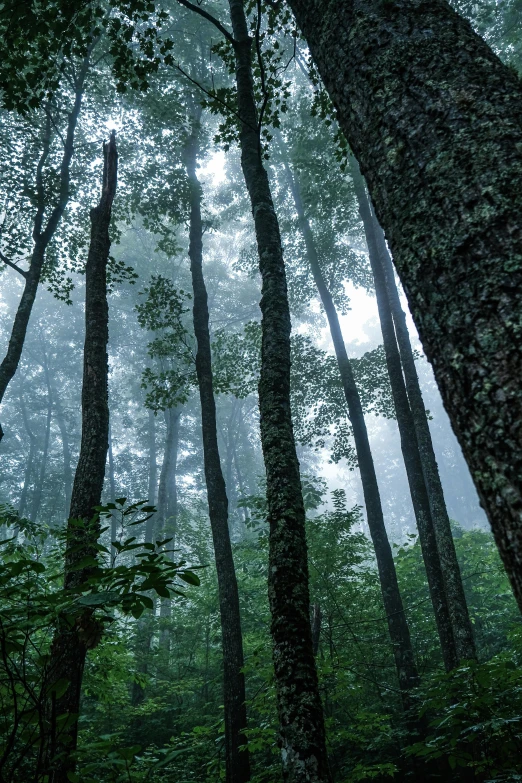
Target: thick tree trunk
[
  {"x": 396, "y": 618},
  {"x": 70, "y": 644},
  {"x": 301, "y": 720},
  {"x": 42, "y": 236},
  {"x": 458, "y": 608},
  {"x": 435, "y": 121},
  {"x": 408, "y": 435},
  {"x": 237, "y": 761}
]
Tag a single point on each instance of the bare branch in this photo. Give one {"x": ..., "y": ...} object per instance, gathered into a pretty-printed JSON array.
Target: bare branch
[
  {"x": 212, "y": 95},
  {"x": 212, "y": 19},
  {"x": 12, "y": 265}
]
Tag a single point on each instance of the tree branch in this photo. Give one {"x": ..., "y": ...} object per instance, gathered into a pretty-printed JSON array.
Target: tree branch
[
  {"x": 211, "y": 94},
  {"x": 13, "y": 266},
  {"x": 212, "y": 19}
]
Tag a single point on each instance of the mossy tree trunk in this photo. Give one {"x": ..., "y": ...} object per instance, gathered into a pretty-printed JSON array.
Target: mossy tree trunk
[
  {"x": 237, "y": 760},
  {"x": 71, "y": 643},
  {"x": 435, "y": 121},
  {"x": 302, "y": 734}
]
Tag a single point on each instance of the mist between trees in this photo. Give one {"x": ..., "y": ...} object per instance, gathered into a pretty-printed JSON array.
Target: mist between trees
[{"x": 241, "y": 530}]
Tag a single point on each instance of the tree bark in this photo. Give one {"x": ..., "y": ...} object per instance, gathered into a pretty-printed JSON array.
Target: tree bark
[
  {"x": 70, "y": 643},
  {"x": 408, "y": 435},
  {"x": 301, "y": 720},
  {"x": 458, "y": 608},
  {"x": 42, "y": 236},
  {"x": 435, "y": 121},
  {"x": 237, "y": 761},
  {"x": 396, "y": 618}
]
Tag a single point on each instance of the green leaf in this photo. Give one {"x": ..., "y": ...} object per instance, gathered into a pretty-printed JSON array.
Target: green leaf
[
  {"x": 99, "y": 599},
  {"x": 190, "y": 578}
]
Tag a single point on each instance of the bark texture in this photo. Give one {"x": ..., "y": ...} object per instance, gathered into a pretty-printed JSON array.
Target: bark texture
[
  {"x": 393, "y": 606},
  {"x": 302, "y": 734},
  {"x": 71, "y": 643},
  {"x": 435, "y": 121},
  {"x": 408, "y": 435},
  {"x": 237, "y": 760},
  {"x": 42, "y": 235}
]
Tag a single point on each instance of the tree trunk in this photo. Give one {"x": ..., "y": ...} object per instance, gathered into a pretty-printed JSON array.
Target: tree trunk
[
  {"x": 112, "y": 495},
  {"x": 38, "y": 490},
  {"x": 167, "y": 517},
  {"x": 66, "y": 451},
  {"x": 408, "y": 435},
  {"x": 172, "y": 479},
  {"x": 70, "y": 643},
  {"x": 458, "y": 608},
  {"x": 302, "y": 734},
  {"x": 153, "y": 475},
  {"x": 145, "y": 625},
  {"x": 237, "y": 761},
  {"x": 30, "y": 458},
  {"x": 168, "y": 467},
  {"x": 395, "y": 615},
  {"x": 42, "y": 236},
  {"x": 435, "y": 121}
]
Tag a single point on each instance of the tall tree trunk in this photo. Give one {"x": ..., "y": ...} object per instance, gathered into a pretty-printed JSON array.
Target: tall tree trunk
[
  {"x": 30, "y": 458},
  {"x": 70, "y": 643},
  {"x": 112, "y": 490},
  {"x": 145, "y": 625},
  {"x": 167, "y": 518},
  {"x": 168, "y": 469},
  {"x": 408, "y": 435},
  {"x": 153, "y": 474},
  {"x": 172, "y": 479},
  {"x": 66, "y": 451},
  {"x": 42, "y": 235},
  {"x": 462, "y": 628},
  {"x": 395, "y": 615},
  {"x": 38, "y": 490},
  {"x": 237, "y": 761},
  {"x": 301, "y": 719},
  {"x": 435, "y": 121}
]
